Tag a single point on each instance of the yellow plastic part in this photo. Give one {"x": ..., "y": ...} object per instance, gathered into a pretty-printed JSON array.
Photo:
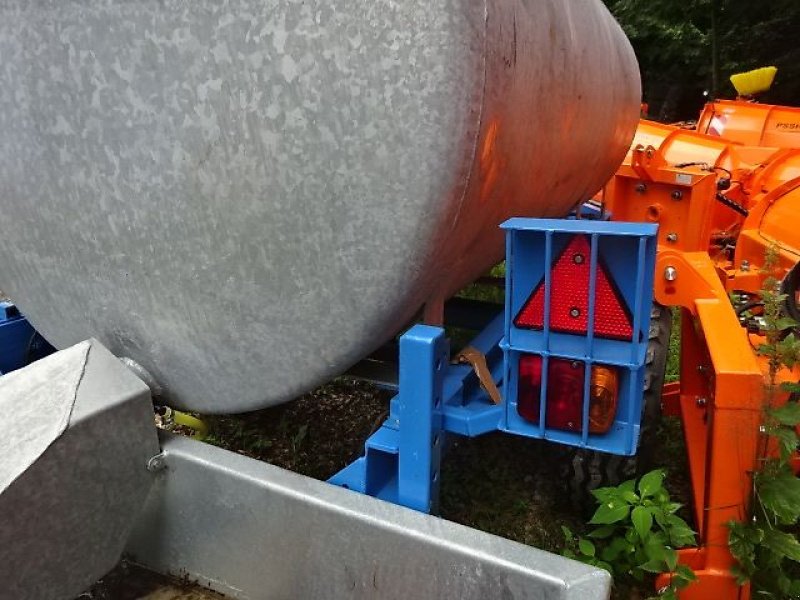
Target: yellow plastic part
[
  {"x": 198, "y": 425},
  {"x": 754, "y": 82}
]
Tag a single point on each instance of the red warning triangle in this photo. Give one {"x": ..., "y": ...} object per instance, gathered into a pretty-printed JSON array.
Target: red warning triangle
[{"x": 569, "y": 300}]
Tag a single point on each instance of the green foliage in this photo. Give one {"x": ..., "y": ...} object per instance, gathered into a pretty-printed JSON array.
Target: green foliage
[
  {"x": 674, "y": 42},
  {"x": 767, "y": 544},
  {"x": 637, "y": 532}
]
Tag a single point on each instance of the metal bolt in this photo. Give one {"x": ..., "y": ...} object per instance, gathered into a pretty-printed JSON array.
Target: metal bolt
[
  {"x": 672, "y": 237},
  {"x": 677, "y": 195},
  {"x": 640, "y": 188},
  {"x": 578, "y": 258},
  {"x": 156, "y": 463},
  {"x": 745, "y": 265},
  {"x": 701, "y": 402},
  {"x": 670, "y": 273},
  {"x": 575, "y": 364},
  {"x": 574, "y": 312}
]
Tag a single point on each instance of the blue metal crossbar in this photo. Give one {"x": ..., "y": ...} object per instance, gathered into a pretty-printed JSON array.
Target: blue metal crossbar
[{"x": 19, "y": 342}]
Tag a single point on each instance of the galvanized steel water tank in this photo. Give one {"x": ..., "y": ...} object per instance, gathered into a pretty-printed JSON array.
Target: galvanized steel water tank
[{"x": 246, "y": 197}]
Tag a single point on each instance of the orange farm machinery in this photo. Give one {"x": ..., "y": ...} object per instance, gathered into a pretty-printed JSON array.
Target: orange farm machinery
[{"x": 722, "y": 208}]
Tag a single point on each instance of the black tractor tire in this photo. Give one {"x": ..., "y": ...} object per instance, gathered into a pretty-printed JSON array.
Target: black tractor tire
[{"x": 586, "y": 470}]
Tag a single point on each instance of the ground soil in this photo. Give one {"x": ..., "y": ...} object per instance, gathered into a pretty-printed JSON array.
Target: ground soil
[{"x": 130, "y": 582}]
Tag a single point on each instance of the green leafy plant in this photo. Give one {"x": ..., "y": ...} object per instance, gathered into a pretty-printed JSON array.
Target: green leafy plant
[
  {"x": 636, "y": 533},
  {"x": 766, "y": 545}
]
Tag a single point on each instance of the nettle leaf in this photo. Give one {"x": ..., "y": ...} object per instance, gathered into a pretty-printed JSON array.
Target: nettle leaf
[
  {"x": 788, "y": 349},
  {"x": 788, "y": 414},
  {"x": 766, "y": 349},
  {"x": 737, "y": 540},
  {"x": 782, "y": 544},
  {"x": 792, "y": 388},
  {"x": 780, "y": 494},
  {"x": 610, "y": 512},
  {"x": 787, "y": 440},
  {"x": 784, "y": 323},
  {"x": 651, "y": 483},
  {"x": 642, "y": 520}
]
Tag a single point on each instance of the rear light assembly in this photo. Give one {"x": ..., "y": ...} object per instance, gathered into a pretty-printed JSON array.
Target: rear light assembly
[
  {"x": 565, "y": 392},
  {"x": 578, "y": 301}
]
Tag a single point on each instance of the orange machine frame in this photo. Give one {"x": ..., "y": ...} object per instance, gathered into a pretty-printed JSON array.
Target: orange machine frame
[
  {"x": 752, "y": 123},
  {"x": 671, "y": 177}
]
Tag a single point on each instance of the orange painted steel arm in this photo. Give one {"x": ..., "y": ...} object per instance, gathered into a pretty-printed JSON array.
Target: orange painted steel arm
[{"x": 721, "y": 395}]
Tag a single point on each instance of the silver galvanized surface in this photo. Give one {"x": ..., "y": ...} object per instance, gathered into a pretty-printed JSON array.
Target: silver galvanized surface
[
  {"x": 65, "y": 520},
  {"x": 252, "y": 530},
  {"x": 246, "y": 197}
]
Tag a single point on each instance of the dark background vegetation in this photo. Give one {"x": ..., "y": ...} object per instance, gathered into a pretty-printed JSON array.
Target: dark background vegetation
[{"x": 686, "y": 47}]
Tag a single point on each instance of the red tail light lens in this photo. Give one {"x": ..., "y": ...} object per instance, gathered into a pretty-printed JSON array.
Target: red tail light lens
[
  {"x": 569, "y": 300},
  {"x": 565, "y": 379}
]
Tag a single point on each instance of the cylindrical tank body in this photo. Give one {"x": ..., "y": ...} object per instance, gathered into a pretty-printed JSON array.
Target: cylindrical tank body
[
  {"x": 247, "y": 197},
  {"x": 752, "y": 123}
]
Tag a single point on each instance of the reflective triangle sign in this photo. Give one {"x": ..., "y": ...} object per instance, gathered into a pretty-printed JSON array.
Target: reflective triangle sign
[{"x": 569, "y": 299}]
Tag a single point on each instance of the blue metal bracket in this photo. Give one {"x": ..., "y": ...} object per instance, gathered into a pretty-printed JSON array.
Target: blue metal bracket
[
  {"x": 624, "y": 253},
  {"x": 402, "y": 459},
  {"x": 19, "y": 342}
]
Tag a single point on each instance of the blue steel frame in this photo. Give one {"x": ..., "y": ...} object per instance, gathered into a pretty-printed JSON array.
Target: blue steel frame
[
  {"x": 19, "y": 342},
  {"x": 402, "y": 460},
  {"x": 627, "y": 252}
]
